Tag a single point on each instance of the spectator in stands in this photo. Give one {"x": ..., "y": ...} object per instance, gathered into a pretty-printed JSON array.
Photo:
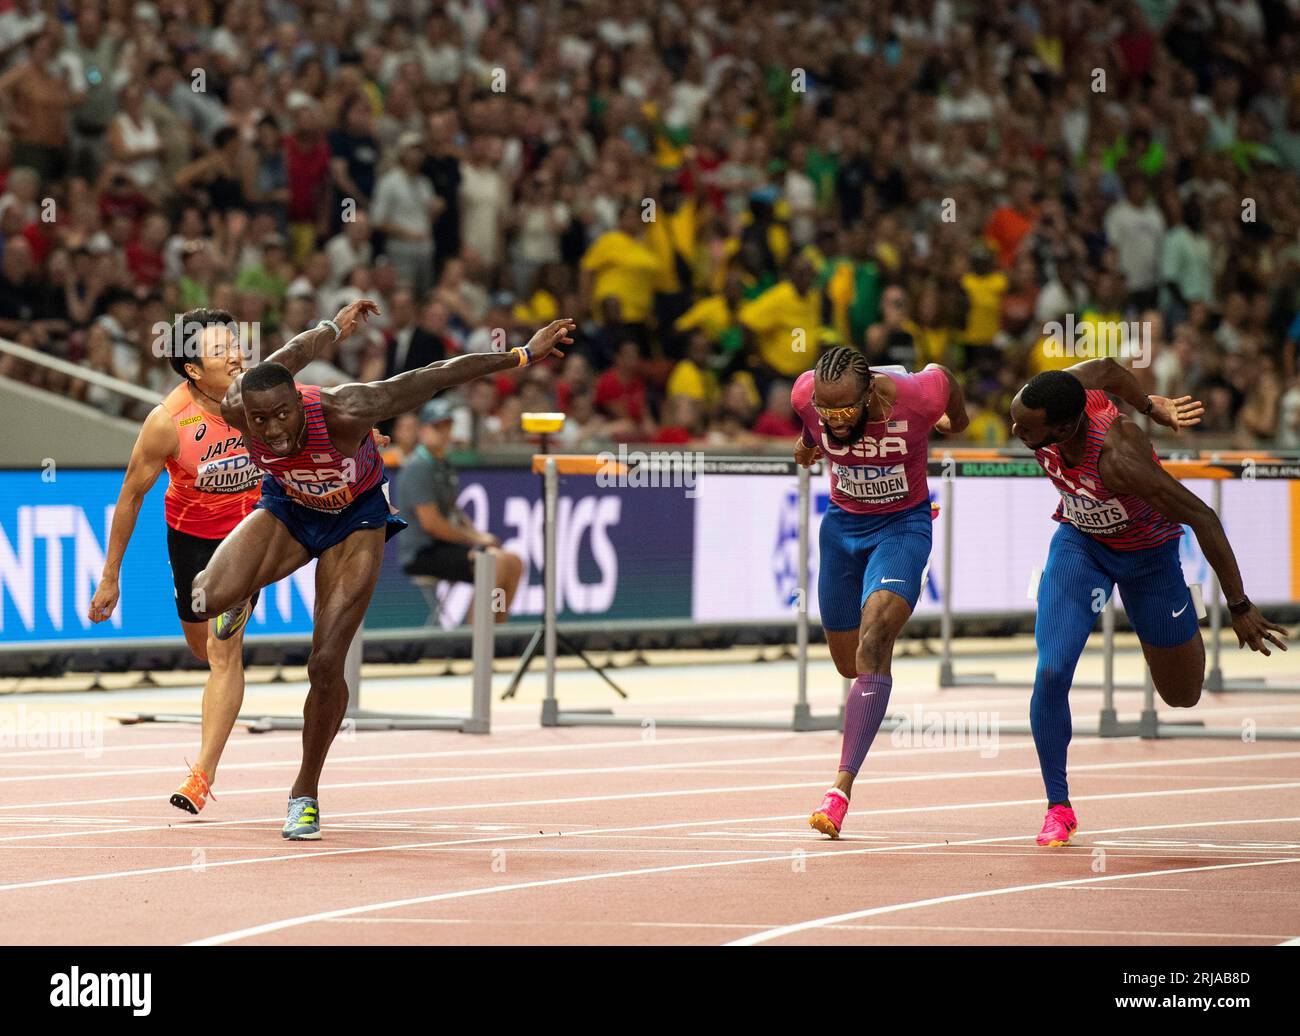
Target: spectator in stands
[
  {"x": 307, "y": 166},
  {"x": 619, "y": 268},
  {"x": 621, "y": 391},
  {"x": 984, "y": 132},
  {"x": 442, "y": 539},
  {"x": 405, "y": 208},
  {"x": 427, "y": 342},
  {"x": 785, "y": 323},
  {"x": 1010, "y": 223},
  {"x": 778, "y": 419},
  {"x": 1136, "y": 228},
  {"x": 985, "y": 286},
  {"x": 693, "y": 375},
  {"x": 134, "y": 140},
  {"x": 354, "y": 160},
  {"x": 403, "y": 441},
  {"x": 36, "y": 99},
  {"x": 890, "y": 341}
]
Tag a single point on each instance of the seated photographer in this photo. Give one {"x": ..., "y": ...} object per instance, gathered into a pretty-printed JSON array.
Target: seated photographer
[{"x": 441, "y": 538}]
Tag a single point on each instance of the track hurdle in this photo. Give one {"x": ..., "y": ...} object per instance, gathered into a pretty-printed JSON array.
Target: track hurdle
[
  {"x": 802, "y": 718},
  {"x": 1215, "y": 468},
  {"x": 358, "y": 718}
]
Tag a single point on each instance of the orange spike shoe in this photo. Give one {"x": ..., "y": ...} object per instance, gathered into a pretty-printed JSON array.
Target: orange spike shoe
[{"x": 193, "y": 794}]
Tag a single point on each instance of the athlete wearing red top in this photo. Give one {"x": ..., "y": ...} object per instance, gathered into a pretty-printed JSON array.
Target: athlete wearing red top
[
  {"x": 211, "y": 482},
  {"x": 318, "y": 475},
  {"x": 323, "y": 497},
  {"x": 212, "y": 486},
  {"x": 1120, "y": 518}
]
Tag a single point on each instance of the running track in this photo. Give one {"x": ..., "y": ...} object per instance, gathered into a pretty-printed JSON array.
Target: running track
[{"x": 627, "y": 836}]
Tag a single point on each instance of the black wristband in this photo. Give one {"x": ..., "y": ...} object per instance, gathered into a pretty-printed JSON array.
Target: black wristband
[
  {"x": 1151, "y": 405},
  {"x": 1241, "y": 607}
]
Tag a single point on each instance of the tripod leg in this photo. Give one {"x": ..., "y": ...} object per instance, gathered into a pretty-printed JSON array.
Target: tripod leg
[
  {"x": 575, "y": 650},
  {"x": 524, "y": 661}
]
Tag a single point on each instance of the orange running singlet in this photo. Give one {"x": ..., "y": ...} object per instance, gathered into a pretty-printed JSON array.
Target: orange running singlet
[{"x": 213, "y": 482}]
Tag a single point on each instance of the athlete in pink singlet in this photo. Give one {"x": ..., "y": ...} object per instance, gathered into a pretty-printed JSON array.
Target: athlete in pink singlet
[{"x": 873, "y": 428}]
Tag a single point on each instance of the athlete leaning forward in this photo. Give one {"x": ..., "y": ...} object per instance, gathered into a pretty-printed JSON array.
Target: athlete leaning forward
[
  {"x": 323, "y": 496},
  {"x": 1120, "y": 515},
  {"x": 872, "y": 426},
  {"x": 212, "y": 485}
]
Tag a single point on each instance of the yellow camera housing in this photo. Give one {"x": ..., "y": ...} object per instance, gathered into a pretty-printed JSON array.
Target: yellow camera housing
[{"x": 541, "y": 424}]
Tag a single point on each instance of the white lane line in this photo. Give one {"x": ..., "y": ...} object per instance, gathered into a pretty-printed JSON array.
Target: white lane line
[
  {"x": 650, "y": 767},
  {"x": 358, "y": 850},
  {"x": 676, "y": 793},
  {"x": 294, "y": 922},
  {"x": 730, "y": 926},
  {"x": 234, "y": 742},
  {"x": 530, "y": 774},
  {"x": 962, "y": 897},
  {"x": 620, "y": 743}
]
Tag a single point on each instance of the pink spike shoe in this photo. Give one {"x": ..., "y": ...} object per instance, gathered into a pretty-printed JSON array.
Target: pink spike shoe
[
  {"x": 829, "y": 817},
  {"x": 1060, "y": 824}
]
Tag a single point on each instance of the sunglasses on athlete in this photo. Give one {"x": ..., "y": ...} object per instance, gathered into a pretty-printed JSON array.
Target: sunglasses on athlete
[{"x": 842, "y": 413}]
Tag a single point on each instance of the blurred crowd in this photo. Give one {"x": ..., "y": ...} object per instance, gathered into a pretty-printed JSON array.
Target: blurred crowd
[{"x": 714, "y": 189}]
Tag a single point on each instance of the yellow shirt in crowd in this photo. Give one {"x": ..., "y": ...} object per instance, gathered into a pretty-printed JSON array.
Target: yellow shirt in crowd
[
  {"x": 541, "y": 308},
  {"x": 775, "y": 316},
  {"x": 623, "y": 268},
  {"x": 985, "y": 315},
  {"x": 1049, "y": 356},
  {"x": 687, "y": 379},
  {"x": 987, "y": 429},
  {"x": 933, "y": 344},
  {"x": 670, "y": 235},
  {"x": 710, "y": 314}
]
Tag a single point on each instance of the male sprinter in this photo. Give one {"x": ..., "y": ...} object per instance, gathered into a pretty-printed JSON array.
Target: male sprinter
[
  {"x": 873, "y": 427},
  {"x": 323, "y": 497},
  {"x": 212, "y": 484},
  {"x": 1121, "y": 515}
]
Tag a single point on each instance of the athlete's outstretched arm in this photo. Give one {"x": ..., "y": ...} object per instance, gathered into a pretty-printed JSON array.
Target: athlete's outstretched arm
[
  {"x": 1108, "y": 376},
  {"x": 302, "y": 348},
  {"x": 361, "y": 406},
  {"x": 954, "y": 419},
  {"x": 1127, "y": 466},
  {"x": 156, "y": 442}
]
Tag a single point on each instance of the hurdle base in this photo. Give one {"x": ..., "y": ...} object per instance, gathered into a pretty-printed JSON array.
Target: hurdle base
[
  {"x": 1109, "y": 725},
  {"x": 802, "y": 721},
  {"x": 362, "y": 720},
  {"x": 805, "y": 720},
  {"x": 1216, "y": 684},
  {"x": 1232, "y": 733}
]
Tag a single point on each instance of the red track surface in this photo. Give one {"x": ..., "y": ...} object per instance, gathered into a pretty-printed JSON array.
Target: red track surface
[{"x": 588, "y": 835}]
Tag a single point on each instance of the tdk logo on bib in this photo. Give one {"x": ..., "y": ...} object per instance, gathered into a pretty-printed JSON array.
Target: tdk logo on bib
[{"x": 875, "y": 483}]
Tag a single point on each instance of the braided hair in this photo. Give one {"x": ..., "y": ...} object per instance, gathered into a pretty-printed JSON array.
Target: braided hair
[{"x": 834, "y": 363}]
